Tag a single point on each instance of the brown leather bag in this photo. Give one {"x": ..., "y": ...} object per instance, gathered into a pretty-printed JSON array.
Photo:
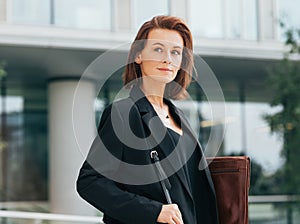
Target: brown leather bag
[{"x": 231, "y": 177}]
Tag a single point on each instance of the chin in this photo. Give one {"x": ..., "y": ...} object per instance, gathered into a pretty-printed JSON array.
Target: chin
[{"x": 164, "y": 80}]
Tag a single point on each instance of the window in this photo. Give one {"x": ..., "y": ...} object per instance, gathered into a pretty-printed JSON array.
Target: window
[
  {"x": 24, "y": 139},
  {"x": 206, "y": 18},
  {"x": 232, "y": 19},
  {"x": 29, "y": 12},
  {"x": 250, "y": 20},
  {"x": 288, "y": 12},
  {"x": 88, "y": 14},
  {"x": 145, "y": 10}
]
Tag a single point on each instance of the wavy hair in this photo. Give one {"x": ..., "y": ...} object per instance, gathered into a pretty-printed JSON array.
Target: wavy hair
[{"x": 184, "y": 75}]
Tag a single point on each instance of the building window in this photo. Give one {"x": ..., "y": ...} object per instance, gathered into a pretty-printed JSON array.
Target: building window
[
  {"x": 34, "y": 12},
  {"x": 288, "y": 12},
  {"x": 24, "y": 150},
  {"x": 234, "y": 19},
  {"x": 88, "y": 14},
  {"x": 145, "y": 10},
  {"x": 206, "y": 18},
  {"x": 250, "y": 28}
]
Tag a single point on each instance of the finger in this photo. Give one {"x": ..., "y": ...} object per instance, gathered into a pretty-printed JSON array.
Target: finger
[
  {"x": 178, "y": 215},
  {"x": 177, "y": 220}
]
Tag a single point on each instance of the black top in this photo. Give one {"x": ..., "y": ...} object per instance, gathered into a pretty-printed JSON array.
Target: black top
[{"x": 201, "y": 210}]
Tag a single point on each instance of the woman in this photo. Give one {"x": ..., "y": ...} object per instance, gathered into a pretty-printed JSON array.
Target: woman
[{"x": 120, "y": 176}]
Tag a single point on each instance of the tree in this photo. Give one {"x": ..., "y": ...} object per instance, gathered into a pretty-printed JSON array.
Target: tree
[
  {"x": 2, "y": 71},
  {"x": 285, "y": 83}
]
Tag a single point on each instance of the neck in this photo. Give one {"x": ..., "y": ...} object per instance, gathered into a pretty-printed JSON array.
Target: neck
[{"x": 154, "y": 91}]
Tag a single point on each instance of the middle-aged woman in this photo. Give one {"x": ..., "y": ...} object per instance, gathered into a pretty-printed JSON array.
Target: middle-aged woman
[{"x": 119, "y": 176}]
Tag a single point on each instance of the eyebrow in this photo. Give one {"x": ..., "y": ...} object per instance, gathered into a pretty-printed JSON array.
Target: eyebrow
[{"x": 157, "y": 43}]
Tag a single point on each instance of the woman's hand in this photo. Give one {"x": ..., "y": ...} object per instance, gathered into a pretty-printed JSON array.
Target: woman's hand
[{"x": 170, "y": 214}]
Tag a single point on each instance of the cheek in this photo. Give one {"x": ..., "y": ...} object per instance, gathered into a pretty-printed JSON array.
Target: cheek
[
  {"x": 151, "y": 56},
  {"x": 148, "y": 66},
  {"x": 155, "y": 58},
  {"x": 177, "y": 62}
]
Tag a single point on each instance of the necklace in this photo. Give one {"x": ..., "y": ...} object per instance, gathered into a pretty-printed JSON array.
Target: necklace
[{"x": 162, "y": 113}]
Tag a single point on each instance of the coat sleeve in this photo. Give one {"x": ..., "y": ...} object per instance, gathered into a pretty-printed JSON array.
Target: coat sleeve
[{"x": 106, "y": 194}]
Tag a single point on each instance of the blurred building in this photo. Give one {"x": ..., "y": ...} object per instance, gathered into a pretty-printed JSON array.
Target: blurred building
[{"x": 48, "y": 44}]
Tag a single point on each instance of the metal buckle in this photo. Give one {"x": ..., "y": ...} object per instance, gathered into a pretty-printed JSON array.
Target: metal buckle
[{"x": 153, "y": 154}]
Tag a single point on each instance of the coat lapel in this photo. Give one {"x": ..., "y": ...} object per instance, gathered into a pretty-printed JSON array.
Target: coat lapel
[
  {"x": 158, "y": 131},
  {"x": 202, "y": 164}
]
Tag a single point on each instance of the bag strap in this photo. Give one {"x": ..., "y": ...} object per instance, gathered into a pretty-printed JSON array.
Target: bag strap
[{"x": 164, "y": 181}]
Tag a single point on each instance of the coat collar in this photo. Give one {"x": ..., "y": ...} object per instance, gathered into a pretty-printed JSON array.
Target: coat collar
[{"x": 158, "y": 129}]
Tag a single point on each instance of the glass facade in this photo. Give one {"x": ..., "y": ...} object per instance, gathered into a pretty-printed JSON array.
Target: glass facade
[
  {"x": 33, "y": 12},
  {"x": 90, "y": 14},
  {"x": 229, "y": 19},
  {"x": 232, "y": 19},
  {"x": 206, "y": 21},
  {"x": 145, "y": 10},
  {"x": 24, "y": 151},
  {"x": 288, "y": 13}
]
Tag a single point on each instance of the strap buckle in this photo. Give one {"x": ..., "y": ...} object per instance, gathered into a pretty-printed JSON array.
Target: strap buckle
[{"x": 154, "y": 154}]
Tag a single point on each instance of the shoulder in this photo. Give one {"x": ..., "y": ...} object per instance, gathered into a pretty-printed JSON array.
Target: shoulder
[
  {"x": 120, "y": 109},
  {"x": 122, "y": 106}
]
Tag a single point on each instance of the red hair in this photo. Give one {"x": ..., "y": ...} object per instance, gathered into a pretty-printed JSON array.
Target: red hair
[{"x": 184, "y": 74}]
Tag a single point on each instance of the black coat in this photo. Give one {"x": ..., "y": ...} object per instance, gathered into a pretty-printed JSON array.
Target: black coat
[{"x": 118, "y": 177}]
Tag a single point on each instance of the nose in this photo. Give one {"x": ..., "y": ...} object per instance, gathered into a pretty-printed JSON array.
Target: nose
[
  {"x": 167, "y": 62},
  {"x": 167, "y": 58}
]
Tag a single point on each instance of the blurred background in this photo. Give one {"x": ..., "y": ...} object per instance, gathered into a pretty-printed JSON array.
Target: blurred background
[{"x": 252, "y": 46}]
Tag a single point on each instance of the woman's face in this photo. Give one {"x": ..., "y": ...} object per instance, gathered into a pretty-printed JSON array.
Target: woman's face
[{"x": 162, "y": 55}]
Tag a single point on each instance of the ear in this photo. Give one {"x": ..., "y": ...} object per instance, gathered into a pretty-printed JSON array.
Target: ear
[{"x": 138, "y": 59}]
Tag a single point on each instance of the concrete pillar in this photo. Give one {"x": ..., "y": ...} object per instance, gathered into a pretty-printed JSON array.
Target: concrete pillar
[
  {"x": 65, "y": 156},
  {"x": 3, "y": 11}
]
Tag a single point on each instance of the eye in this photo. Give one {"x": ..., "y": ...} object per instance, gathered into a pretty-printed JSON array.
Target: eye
[
  {"x": 158, "y": 49},
  {"x": 176, "y": 52}
]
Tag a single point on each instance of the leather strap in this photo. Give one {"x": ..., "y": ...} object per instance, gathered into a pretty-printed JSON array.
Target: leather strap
[{"x": 164, "y": 181}]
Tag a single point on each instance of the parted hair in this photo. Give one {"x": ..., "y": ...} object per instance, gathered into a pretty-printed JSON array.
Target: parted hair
[{"x": 176, "y": 89}]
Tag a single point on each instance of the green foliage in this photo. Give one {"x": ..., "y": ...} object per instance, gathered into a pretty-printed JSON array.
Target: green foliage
[
  {"x": 2, "y": 69},
  {"x": 292, "y": 37},
  {"x": 268, "y": 185},
  {"x": 285, "y": 82}
]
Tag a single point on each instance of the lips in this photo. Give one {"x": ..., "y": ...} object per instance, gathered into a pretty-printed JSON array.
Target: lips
[{"x": 165, "y": 69}]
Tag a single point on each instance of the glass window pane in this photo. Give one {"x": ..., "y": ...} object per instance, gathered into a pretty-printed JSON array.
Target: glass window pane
[
  {"x": 23, "y": 138},
  {"x": 288, "y": 12},
  {"x": 145, "y": 10},
  {"x": 250, "y": 20},
  {"x": 29, "y": 12},
  {"x": 89, "y": 14},
  {"x": 206, "y": 18},
  {"x": 234, "y": 19},
  {"x": 257, "y": 134}
]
